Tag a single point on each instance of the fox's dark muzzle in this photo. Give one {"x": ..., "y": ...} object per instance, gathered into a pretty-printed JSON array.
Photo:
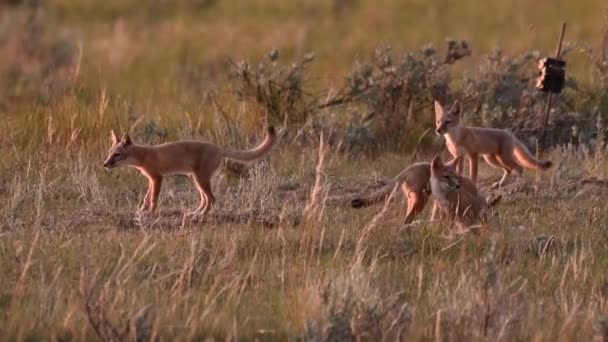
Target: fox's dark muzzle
[
  {"x": 108, "y": 164},
  {"x": 440, "y": 130}
]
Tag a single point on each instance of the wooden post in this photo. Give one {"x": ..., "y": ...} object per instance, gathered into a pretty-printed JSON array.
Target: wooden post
[{"x": 558, "y": 52}]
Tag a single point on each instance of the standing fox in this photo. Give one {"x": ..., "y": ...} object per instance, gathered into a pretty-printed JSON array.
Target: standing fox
[
  {"x": 456, "y": 197},
  {"x": 415, "y": 185},
  {"x": 198, "y": 159},
  {"x": 498, "y": 147}
]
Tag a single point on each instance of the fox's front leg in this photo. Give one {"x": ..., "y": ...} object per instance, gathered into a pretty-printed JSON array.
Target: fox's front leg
[
  {"x": 436, "y": 213},
  {"x": 473, "y": 163},
  {"x": 459, "y": 165},
  {"x": 155, "y": 184},
  {"x": 144, "y": 206}
]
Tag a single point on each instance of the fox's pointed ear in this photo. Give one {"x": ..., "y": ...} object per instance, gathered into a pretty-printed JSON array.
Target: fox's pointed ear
[
  {"x": 438, "y": 109},
  {"x": 126, "y": 140},
  {"x": 455, "y": 110},
  {"x": 452, "y": 164},
  {"x": 436, "y": 163},
  {"x": 113, "y": 137}
]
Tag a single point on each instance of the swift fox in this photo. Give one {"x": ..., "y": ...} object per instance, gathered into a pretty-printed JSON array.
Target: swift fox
[
  {"x": 456, "y": 197},
  {"x": 198, "y": 159},
  {"x": 498, "y": 147},
  {"x": 414, "y": 182}
]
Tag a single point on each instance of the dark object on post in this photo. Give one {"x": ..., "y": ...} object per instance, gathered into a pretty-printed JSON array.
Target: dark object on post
[
  {"x": 552, "y": 76},
  {"x": 558, "y": 53}
]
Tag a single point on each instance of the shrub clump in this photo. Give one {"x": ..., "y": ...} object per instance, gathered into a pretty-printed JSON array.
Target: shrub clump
[
  {"x": 393, "y": 90},
  {"x": 277, "y": 88}
]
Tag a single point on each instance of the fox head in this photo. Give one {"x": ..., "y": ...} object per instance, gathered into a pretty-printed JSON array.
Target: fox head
[
  {"x": 443, "y": 176},
  {"x": 120, "y": 152},
  {"x": 444, "y": 121}
]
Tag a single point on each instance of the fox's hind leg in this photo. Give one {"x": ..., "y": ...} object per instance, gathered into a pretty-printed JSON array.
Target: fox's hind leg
[
  {"x": 416, "y": 201},
  {"x": 491, "y": 159},
  {"x": 503, "y": 179},
  {"x": 508, "y": 163},
  {"x": 206, "y": 168},
  {"x": 459, "y": 165},
  {"x": 203, "y": 200},
  {"x": 473, "y": 163},
  {"x": 207, "y": 199}
]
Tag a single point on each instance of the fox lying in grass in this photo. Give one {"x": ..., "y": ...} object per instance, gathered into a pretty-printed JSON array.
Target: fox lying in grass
[
  {"x": 455, "y": 197},
  {"x": 415, "y": 185},
  {"x": 498, "y": 147},
  {"x": 198, "y": 159}
]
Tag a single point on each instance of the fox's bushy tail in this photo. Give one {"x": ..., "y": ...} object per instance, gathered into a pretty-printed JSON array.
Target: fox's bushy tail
[
  {"x": 375, "y": 197},
  {"x": 527, "y": 160},
  {"x": 255, "y": 153}
]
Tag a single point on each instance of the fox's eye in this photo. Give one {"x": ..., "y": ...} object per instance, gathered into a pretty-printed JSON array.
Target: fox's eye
[
  {"x": 116, "y": 155},
  {"x": 447, "y": 122}
]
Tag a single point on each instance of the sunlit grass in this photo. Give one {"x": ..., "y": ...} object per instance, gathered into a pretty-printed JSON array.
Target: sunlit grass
[{"x": 272, "y": 261}]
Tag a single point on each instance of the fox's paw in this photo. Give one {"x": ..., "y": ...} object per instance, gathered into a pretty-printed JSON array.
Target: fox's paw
[
  {"x": 195, "y": 214},
  {"x": 192, "y": 213},
  {"x": 413, "y": 224},
  {"x": 143, "y": 211}
]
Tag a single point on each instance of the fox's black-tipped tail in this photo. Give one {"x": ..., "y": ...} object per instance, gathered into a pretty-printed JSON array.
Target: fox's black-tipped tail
[
  {"x": 375, "y": 197},
  {"x": 527, "y": 160},
  {"x": 358, "y": 203}
]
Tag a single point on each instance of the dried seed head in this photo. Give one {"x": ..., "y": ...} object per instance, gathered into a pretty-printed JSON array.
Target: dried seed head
[
  {"x": 309, "y": 57},
  {"x": 273, "y": 55}
]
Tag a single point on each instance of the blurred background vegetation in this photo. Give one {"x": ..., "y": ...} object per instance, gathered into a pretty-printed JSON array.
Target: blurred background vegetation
[{"x": 72, "y": 69}]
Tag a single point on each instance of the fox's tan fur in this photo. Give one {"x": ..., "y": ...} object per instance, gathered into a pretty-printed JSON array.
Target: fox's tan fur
[
  {"x": 498, "y": 147},
  {"x": 456, "y": 197},
  {"x": 415, "y": 185},
  {"x": 198, "y": 159}
]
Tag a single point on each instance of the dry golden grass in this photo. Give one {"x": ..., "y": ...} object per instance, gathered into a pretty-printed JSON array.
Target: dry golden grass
[{"x": 275, "y": 260}]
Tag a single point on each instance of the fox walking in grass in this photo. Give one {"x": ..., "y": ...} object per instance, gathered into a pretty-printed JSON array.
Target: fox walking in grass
[
  {"x": 455, "y": 197},
  {"x": 498, "y": 147},
  {"x": 198, "y": 159},
  {"x": 415, "y": 185}
]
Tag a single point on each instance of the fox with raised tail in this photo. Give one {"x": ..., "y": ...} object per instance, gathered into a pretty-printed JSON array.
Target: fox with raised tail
[
  {"x": 498, "y": 147},
  {"x": 415, "y": 185},
  {"x": 195, "y": 158}
]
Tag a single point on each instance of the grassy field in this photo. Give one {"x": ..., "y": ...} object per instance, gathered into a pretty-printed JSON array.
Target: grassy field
[{"x": 280, "y": 257}]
